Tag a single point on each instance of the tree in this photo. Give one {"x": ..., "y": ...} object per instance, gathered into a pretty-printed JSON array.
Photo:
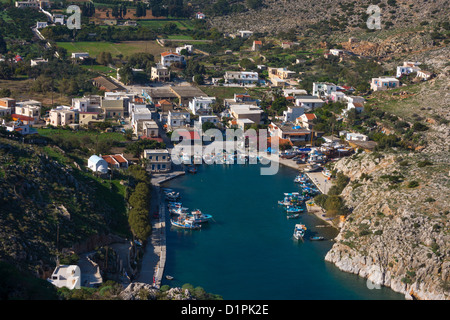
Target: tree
[
  {"x": 3, "y": 48},
  {"x": 198, "y": 79},
  {"x": 254, "y": 4}
]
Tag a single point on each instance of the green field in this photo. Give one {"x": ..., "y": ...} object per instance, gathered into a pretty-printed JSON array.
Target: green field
[
  {"x": 181, "y": 24},
  {"x": 125, "y": 48},
  {"x": 68, "y": 133}
]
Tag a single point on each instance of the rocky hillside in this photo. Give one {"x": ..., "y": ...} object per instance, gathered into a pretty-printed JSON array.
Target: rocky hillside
[
  {"x": 48, "y": 207},
  {"x": 275, "y": 16},
  {"x": 397, "y": 233}
]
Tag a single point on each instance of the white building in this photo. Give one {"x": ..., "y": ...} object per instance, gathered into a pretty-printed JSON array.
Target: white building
[
  {"x": 158, "y": 160},
  {"x": 177, "y": 119},
  {"x": 407, "y": 68},
  {"x": 384, "y": 83},
  {"x": 138, "y": 116},
  {"x": 160, "y": 73},
  {"x": 213, "y": 119},
  {"x": 336, "y": 52},
  {"x": 424, "y": 75},
  {"x": 294, "y": 92},
  {"x": 98, "y": 164},
  {"x": 68, "y": 276},
  {"x": 168, "y": 58},
  {"x": 309, "y": 102},
  {"x": 35, "y": 62},
  {"x": 338, "y": 96},
  {"x": 58, "y": 19},
  {"x": 80, "y": 55},
  {"x": 29, "y": 110},
  {"x": 188, "y": 47},
  {"x": 241, "y": 77},
  {"x": 245, "y": 33},
  {"x": 41, "y": 25},
  {"x": 323, "y": 89},
  {"x": 61, "y": 116},
  {"x": 201, "y": 105},
  {"x": 352, "y": 136}
]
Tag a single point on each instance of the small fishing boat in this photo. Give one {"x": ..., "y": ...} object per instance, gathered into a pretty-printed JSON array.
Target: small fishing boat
[
  {"x": 184, "y": 223},
  {"x": 316, "y": 238},
  {"x": 169, "y": 277},
  {"x": 199, "y": 217},
  {"x": 293, "y": 209},
  {"x": 326, "y": 173},
  {"x": 173, "y": 196},
  {"x": 293, "y": 216},
  {"x": 173, "y": 204},
  {"x": 180, "y": 210},
  {"x": 299, "y": 231},
  {"x": 312, "y": 168}
]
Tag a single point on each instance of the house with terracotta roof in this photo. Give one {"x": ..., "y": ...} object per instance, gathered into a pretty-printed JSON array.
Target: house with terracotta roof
[
  {"x": 23, "y": 119},
  {"x": 306, "y": 120},
  {"x": 168, "y": 58},
  {"x": 257, "y": 44},
  {"x": 116, "y": 161},
  {"x": 17, "y": 126},
  {"x": 289, "y": 131}
]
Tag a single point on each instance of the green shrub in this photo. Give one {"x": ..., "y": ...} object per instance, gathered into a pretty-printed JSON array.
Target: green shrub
[{"x": 413, "y": 184}]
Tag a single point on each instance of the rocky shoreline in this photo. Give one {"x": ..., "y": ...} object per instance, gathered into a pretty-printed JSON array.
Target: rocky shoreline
[{"x": 394, "y": 237}]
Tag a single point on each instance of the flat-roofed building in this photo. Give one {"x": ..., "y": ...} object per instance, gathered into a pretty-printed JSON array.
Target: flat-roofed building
[
  {"x": 159, "y": 160},
  {"x": 68, "y": 276}
]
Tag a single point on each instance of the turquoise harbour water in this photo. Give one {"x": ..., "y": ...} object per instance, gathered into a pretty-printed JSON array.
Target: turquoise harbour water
[{"x": 248, "y": 251}]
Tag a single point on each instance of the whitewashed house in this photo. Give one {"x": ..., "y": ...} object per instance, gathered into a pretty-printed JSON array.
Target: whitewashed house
[
  {"x": 336, "y": 52},
  {"x": 213, "y": 119},
  {"x": 177, "y": 119},
  {"x": 68, "y": 276},
  {"x": 353, "y": 136},
  {"x": 80, "y": 55},
  {"x": 309, "y": 102},
  {"x": 41, "y": 24},
  {"x": 424, "y": 75},
  {"x": 98, "y": 164},
  {"x": 407, "y": 68},
  {"x": 338, "y": 96},
  {"x": 384, "y": 83},
  {"x": 201, "y": 105},
  {"x": 323, "y": 89},
  {"x": 241, "y": 77},
  {"x": 168, "y": 58},
  {"x": 188, "y": 47},
  {"x": 245, "y": 33}
]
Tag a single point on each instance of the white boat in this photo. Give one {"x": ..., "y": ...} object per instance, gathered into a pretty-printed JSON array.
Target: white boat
[
  {"x": 326, "y": 173},
  {"x": 199, "y": 217},
  {"x": 312, "y": 168},
  {"x": 179, "y": 210},
  {"x": 184, "y": 223},
  {"x": 299, "y": 231}
]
